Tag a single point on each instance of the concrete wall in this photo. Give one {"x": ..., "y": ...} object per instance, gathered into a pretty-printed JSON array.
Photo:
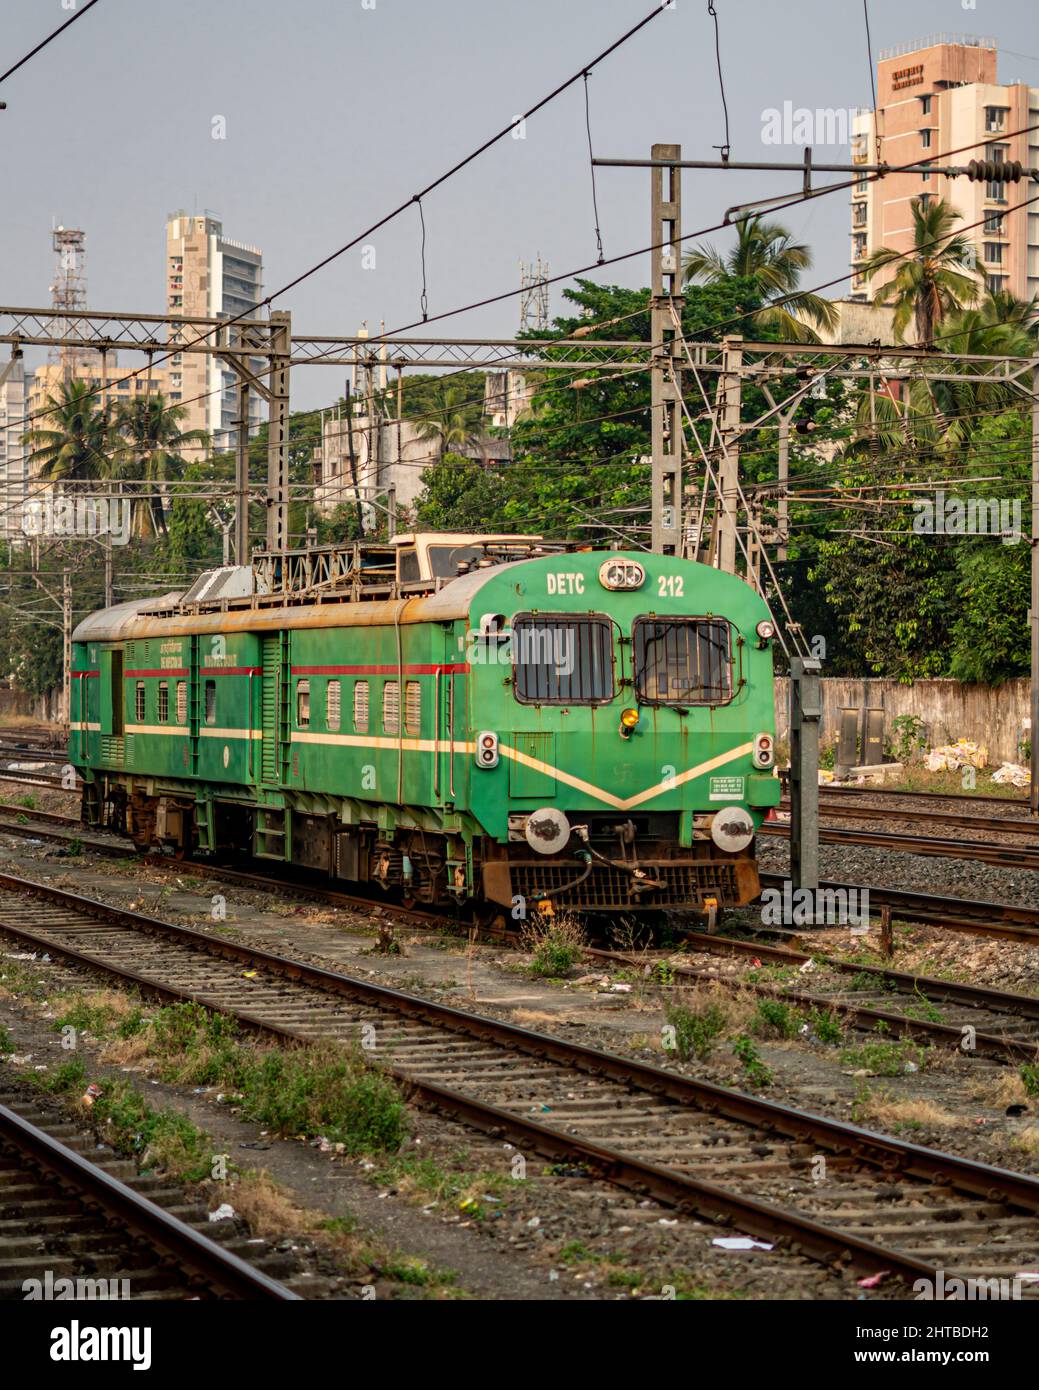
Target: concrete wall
[{"x": 994, "y": 716}]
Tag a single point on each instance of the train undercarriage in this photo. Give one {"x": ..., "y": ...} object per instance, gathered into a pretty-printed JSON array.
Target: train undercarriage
[{"x": 605, "y": 865}]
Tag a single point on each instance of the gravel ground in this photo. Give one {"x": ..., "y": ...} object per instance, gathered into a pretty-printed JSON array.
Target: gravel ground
[{"x": 923, "y": 873}]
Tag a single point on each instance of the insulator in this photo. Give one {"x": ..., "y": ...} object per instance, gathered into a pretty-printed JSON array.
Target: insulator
[{"x": 993, "y": 171}]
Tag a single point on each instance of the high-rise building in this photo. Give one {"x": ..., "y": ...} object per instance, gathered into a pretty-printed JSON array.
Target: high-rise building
[
  {"x": 933, "y": 97},
  {"x": 13, "y": 479},
  {"x": 210, "y": 276}
]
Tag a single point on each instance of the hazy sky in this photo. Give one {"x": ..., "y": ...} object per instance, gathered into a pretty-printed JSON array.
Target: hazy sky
[{"x": 338, "y": 110}]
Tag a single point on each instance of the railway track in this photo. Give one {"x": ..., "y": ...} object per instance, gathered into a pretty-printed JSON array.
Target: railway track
[
  {"x": 1004, "y": 856},
  {"x": 66, "y": 1217},
  {"x": 1006, "y": 921},
  {"x": 724, "y": 1155},
  {"x": 989, "y": 825},
  {"x": 979, "y": 1021}
]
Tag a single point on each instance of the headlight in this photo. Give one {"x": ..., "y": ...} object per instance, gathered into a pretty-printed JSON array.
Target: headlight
[
  {"x": 766, "y": 630},
  {"x": 486, "y": 749},
  {"x": 621, "y": 574},
  {"x": 764, "y": 750},
  {"x": 629, "y": 721}
]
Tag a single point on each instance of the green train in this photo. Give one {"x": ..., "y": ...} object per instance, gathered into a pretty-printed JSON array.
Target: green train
[{"x": 455, "y": 718}]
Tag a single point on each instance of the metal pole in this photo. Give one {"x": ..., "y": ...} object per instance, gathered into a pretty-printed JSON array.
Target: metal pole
[
  {"x": 665, "y": 398},
  {"x": 241, "y": 499},
  {"x": 278, "y": 433},
  {"x": 66, "y": 633},
  {"x": 805, "y": 719},
  {"x": 1034, "y": 615},
  {"x": 783, "y": 515},
  {"x": 731, "y": 388}
]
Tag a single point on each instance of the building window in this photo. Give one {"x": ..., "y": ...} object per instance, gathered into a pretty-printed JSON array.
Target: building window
[
  {"x": 859, "y": 212},
  {"x": 925, "y": 105},
  {"x": 164, "y": 702},
  {"x": 391, "y": 707},
  {"x": 925, "y": 139},
  {"x": 992, "y": 252},
  {"x": 303, "y": 704},
  {"x": 361, "y": 706},
  {"x": 139, "y": 703},
  {"x": 925, "y": 177},
  {"x": 182, "y": 702},
  {"x": 859, "y": 243},
  {"x": 994, "y": 224},
  {"x": 995, "y": 117},
  {"x": 925, "y": 201},
  {"x": 210, "y": 702},
  {"x": 996, "y": 283},
  {"x": 413, "y": 707},
  {"x": 332, "y": 705}
]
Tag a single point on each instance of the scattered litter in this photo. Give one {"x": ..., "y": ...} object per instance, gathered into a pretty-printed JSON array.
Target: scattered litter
[
  {"x": 910, "y": 1067},
  {"x": 807, "y": 967},
  {"x": 249, "y": 974},
  {"x": 755, "y": 962},
  {"x": 873, "y": 1281},
  {"x": 224, "y": 1212},
  {"x": 251, "y": 1144},
  {"x": 740, "y": 1243},
  {"x": 1013, "y": 774},
  {"x": 18, "y": 1059},
  {"x": 541, "y": 1109},
  {"x": 952, "y": 756},
  {"x": 665, "y": 1222},
  {"x": 90, "y": 1095},
  {"x": 533, "y": 1223},
  {"x": 620, "y": 989}
]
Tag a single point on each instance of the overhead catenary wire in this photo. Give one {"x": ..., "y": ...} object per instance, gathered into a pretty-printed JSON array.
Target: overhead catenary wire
[{"x": 89, "y": 5}]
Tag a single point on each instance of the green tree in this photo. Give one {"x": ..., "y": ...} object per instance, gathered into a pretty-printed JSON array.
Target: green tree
[
  {"x": 453, "y": 420},
  {"x": 931, "y": 281},
  {"x": 149, "y": 447},
  {"x": 74, "y": 443},
  {"x": 767, "y": 256},
  {"x": 460, "y": 494}
]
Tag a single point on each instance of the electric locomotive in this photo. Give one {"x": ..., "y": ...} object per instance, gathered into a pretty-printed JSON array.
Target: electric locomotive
[{"x": 451, "y": 717}]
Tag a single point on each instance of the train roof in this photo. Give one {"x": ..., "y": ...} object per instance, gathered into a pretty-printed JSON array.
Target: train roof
[{"x": 159, "y": 617}]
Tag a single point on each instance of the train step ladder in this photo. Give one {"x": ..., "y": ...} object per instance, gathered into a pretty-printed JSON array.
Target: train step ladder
[{"x": 269, "y": 841}]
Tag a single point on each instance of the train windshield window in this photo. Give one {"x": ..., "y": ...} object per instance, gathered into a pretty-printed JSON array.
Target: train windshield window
[
  {"x": 302, "y": 703},
  {"x": 444, "y": 560},
  {"x": 683, "y": 661},
  {"x": 210, "y": 702},
  {"x": 407, "y": 565},
  {"x": 563, "y": 661}
]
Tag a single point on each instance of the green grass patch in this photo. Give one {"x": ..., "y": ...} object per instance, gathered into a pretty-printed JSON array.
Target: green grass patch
[
  {"x": 885, "y": 1058},
  {"x": 696, "y": 1029},
  {"x": 776, "y": 1018},
  {"x": 1029, "y": 1074},
  {"x": 754, "y": 1069}
]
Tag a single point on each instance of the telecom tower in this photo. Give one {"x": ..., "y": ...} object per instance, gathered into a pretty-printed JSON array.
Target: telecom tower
[
  {"x": 533, "y": 296},
  {"x": 68, "y": 293}
]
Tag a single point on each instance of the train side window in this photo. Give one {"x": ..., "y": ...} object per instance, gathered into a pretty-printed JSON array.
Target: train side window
[
  {"x": 407, "y": 565},
  {"x": 412, "y": 707},
  {"x": 164, "y": 702},
  {"x": 333, "y": 699},
  {"x": 140, "y": 696},
  {"x": 182, "y": 702},
  {"x": 563, "y": 660},
  {"x": 303, "y": 704},
  {"x": 391, "y": 707},
  {"x": 361, "y": 706},
  {"x": 210, "y": 702}
]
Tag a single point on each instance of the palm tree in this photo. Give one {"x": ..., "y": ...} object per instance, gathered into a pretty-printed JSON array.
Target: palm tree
[
  {"x": 74, "y": 444},
  {"x": 766, "y": 253},
  {"x": 148, "y": 446},
  {"x": 933, "y": 280},
  {"x": 454, "y": 421}
]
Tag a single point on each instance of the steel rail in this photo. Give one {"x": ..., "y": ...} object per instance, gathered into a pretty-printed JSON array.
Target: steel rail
[
  {"x": 708, "y": 1199},
  {"x": 194, "y": 1252}
]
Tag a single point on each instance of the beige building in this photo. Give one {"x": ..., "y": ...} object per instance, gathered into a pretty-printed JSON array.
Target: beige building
[
  {"x": 935, "y": 97},
  {"x": 112, "y": 387},
  {"x": 210, "y": 276},
  {"x": 13, "y": 474}
]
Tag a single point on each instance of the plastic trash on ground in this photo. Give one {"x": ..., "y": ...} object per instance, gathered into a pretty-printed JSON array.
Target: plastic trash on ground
[
  {"x": 951, "y": 756},
  {"x": 1013, "y": 775}
]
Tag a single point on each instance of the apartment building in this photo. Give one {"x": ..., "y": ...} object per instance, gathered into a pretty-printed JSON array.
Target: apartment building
[
  {"x": 210, "y": 276},
  {"x": 934, "y": 97}
]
